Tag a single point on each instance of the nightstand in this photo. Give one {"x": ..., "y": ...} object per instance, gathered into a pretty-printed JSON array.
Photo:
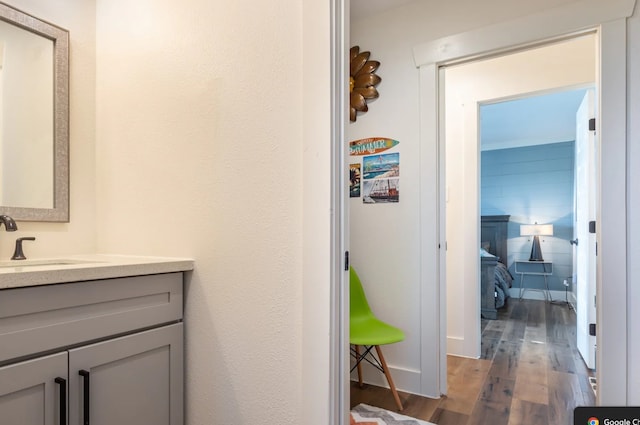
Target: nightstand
[{"x": 534, "y": 268}]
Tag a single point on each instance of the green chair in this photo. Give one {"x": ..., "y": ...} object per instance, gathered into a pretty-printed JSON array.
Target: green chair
[{"x": 368, "y": 331}]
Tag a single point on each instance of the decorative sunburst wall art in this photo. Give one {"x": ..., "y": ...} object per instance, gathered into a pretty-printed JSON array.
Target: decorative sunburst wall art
[{"x": 362, "y": 82}]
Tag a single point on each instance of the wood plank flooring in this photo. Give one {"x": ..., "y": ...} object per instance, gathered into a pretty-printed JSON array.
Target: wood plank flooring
[{"x": 529, "y": 373}]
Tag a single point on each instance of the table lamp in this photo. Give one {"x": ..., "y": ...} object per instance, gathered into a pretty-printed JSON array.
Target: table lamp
[{"x": 536, "y": 230}]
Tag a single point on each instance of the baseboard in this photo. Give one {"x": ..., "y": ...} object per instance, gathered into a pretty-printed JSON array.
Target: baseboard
[
  {"x": 407, "y": 380},
  {"x": 455, "y": 346},
  {"x": 532, "y": 294}
]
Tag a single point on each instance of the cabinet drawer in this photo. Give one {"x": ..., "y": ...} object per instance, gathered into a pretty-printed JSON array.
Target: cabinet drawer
[{"x": 42, "y": 318}]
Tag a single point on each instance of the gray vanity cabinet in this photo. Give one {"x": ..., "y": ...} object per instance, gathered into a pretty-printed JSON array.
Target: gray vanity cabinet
[
  {"x": 136, "y": 379},
  {"x": 115, "y": 344},
  {"x": 29, "y": 393}
]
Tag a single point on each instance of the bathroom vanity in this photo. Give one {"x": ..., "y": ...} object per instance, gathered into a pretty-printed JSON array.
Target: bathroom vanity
[{"x": 92, "y": 340}]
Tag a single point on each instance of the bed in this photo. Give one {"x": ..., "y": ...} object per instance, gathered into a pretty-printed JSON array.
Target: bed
[{"x": 495, "y": 279}]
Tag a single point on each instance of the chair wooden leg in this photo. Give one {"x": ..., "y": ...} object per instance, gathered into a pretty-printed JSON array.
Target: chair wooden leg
[
  {"x": 359, "y": 365},
  {"x": 387, "y": 374}
]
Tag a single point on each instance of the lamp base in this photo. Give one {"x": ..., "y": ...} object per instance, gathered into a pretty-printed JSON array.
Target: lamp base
[{"x": 536, "y": 252}]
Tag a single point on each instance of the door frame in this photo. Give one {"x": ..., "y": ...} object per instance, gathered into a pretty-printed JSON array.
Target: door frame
[
  {"x": 339, "y": 393},
  {"x": 609, "y": 21},
  {"x": 584, "y": 265}
]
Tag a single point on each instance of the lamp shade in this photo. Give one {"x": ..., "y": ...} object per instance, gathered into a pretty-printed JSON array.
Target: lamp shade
[{"x": 536, "y": 230}]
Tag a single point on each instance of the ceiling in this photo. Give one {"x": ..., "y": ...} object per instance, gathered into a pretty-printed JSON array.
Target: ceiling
[
  {"x": 364, "y": 8},
  {"x": 534, "y": 120}
]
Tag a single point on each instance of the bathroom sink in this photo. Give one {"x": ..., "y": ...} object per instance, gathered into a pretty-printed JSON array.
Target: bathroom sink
[
  {"x": 84, "y": 267},
  {"x": 42, "y": 263}
]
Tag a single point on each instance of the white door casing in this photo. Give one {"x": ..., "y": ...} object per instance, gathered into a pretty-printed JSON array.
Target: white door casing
[
  {"x": 524, "y": 73},
  {"x": 568, "y": 20},
  {"x": 584, "y": 262}
]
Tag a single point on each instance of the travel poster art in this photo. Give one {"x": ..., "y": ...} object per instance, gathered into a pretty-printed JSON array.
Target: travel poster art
[
  {"x": 376, "y": 191},
  {"x": 354, "y": 180},
  {"x": 381, "y": 166}
]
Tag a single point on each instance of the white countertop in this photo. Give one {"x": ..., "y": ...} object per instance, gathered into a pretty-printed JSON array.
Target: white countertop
[{"x": 74, "y": 268}]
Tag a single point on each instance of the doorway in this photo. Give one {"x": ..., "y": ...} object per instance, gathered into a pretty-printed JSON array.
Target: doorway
[
  {"x": 537, "y": 165},
  {"x": 523, "y": 73},
  {"x": 431, "y": 58},
  {"x": 428, "y": 58}
]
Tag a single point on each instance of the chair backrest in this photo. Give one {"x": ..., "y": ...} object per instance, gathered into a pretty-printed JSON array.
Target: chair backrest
[{"x": 358, "y": 305}]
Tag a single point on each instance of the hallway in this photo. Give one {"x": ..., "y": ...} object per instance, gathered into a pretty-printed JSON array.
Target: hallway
[{"x": 529, "y": 373}]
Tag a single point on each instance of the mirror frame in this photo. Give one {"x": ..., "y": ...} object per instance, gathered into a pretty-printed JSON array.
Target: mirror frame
[{"x": 60, "y": 38}]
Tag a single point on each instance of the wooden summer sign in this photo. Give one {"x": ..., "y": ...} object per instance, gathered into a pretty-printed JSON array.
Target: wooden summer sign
[{"x": 371, "y": 145}]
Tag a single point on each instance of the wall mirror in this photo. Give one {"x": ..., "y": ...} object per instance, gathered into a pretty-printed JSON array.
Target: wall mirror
[{"x": 34, "y": 118}]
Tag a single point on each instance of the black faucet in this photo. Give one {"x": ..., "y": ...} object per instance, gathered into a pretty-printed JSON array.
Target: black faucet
[
  {"x": 18, "y": 254},
  {"x": 9, "y": 224}
]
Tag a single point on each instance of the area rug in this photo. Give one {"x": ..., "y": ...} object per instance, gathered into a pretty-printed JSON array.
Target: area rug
[{"x": 364, "y": 414}]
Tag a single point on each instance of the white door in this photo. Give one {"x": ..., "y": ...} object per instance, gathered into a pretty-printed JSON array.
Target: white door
[{"x": 584, "y": 264}]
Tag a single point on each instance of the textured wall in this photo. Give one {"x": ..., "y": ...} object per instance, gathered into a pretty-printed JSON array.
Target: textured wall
[
  {"x": 533, "y": 184},
  {"x": 199, "y": 129}
]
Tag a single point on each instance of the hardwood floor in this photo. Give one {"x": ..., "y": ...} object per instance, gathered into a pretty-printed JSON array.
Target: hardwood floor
[{"x": 529, "y": 373}]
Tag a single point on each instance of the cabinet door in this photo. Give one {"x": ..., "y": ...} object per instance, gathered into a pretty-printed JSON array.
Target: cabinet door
[
  {"x": 136, "y": 380},
  {"x": 34, "y": 392}
]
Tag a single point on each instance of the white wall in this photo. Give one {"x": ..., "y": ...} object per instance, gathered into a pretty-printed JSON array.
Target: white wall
[
  {"x": 390, "y": 37},
  {"x": 79, "y": 235},
  {"x": 205, "y": 150},
  {"x": 633, "y": 203},
  {"x": 559, "y": 65}
]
